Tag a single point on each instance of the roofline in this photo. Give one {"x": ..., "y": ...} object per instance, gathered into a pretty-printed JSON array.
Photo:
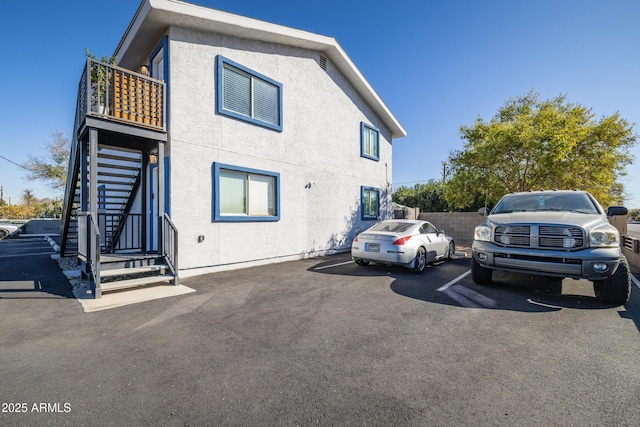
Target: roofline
[{"x": 165, "y": 12}]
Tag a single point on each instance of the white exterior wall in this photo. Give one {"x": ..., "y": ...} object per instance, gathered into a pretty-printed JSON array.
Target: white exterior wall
[{"x": 320, "y": 143}]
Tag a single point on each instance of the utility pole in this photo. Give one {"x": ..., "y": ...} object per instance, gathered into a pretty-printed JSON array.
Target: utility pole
[{"x": 444, "y": 171}]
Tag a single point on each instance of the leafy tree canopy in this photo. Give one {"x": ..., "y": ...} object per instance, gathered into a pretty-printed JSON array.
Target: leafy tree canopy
[
  {"x": 532, "y": 144},
  {"x": 428, "y": 197},
  {"x": 52, "y": 167}
]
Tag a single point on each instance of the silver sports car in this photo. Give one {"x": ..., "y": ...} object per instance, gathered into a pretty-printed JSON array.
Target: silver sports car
[{"x": 409, "y": 243}]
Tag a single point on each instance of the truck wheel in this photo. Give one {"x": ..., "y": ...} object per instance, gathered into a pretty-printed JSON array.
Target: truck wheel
[
  {"x": 480, "y": 274},
  {"x": 615, "y": 289}
]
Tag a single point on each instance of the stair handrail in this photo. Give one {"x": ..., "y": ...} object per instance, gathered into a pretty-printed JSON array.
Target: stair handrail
[
  {"x": 89, "y": 247},
  {"x": 169, "y": 249},
  {"x": 74, "y": 161},
  {"x": 124, "y": 212}
]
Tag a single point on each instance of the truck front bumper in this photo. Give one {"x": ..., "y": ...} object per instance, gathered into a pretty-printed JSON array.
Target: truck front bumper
[{"x": 591, "y": 264}]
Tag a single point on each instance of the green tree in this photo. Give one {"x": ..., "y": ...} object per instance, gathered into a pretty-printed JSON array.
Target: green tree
[
  {"x": 51, "y": 168},
  {"x": 29, "y": 202},
  {"x": 12, "y": 212},
  {"x": 532, "y": 144},
  {"x": 428, "y": 197}
]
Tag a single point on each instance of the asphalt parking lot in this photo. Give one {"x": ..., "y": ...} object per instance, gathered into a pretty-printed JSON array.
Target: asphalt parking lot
[{"x": 318, "y": 342}]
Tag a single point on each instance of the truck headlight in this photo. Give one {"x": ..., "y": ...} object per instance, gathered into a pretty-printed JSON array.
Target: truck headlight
[
  {"x": 604, "y": 236},
  {"x": 482, "y": 233}
]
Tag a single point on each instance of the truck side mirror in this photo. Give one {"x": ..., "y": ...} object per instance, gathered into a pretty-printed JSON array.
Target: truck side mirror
[
  {"x": 616, "y": 210},
  {"x": 483, "y": 211}
]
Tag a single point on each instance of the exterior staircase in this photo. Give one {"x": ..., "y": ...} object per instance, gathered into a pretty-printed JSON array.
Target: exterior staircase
[
  {"x": 108, "y": 197},
  {"x": 123, "y": 272}
]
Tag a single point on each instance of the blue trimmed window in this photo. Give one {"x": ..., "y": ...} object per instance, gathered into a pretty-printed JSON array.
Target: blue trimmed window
[
  {"x": 247, "y": 95},
  {"x": 370, "y": 202},
  {"x": 243, "y": 194},
  {"x": 369, "y": 142}
]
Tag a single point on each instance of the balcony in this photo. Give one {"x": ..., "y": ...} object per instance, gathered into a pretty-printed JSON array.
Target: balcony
[{"x": 119, "y": 95}]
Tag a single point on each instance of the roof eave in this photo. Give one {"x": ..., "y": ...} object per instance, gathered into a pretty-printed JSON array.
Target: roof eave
[{"x": 154, "y": 16}]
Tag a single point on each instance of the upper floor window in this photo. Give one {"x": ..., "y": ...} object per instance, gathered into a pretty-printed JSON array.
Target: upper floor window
[
  {"x": 370, "y": 202},
  {"x": 247, "y": 95},
  {"x": 369, "y": 142},
  {"x": 243, "y": 194}
]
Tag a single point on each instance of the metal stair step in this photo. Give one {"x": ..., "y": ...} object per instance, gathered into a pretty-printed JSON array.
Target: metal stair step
[
  {"x": 115, "y": 175},
  {"x": 129, "y": 167},
  {"x": 122, "y": 183},
  {"x": 133, "y": 270},
  {"x": 137, "y": 158},
  {"x": 132, "y": 283}
]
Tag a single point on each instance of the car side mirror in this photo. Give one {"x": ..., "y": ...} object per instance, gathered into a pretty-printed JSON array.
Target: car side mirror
[
  {"x": 483, "y": 211},
  {"x": 616, "y": 210}
]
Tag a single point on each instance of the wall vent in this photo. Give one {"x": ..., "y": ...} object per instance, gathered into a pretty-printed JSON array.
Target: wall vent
[{"x": 323, "y": 62}]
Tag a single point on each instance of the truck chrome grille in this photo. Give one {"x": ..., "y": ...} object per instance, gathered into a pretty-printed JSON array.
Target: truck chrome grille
[{"x": 557, "y": 237}]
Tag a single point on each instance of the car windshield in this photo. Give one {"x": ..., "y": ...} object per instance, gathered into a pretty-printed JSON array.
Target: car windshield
[
  {"x": 563, "y": 202},
  {"x": 392, "y": 226}
]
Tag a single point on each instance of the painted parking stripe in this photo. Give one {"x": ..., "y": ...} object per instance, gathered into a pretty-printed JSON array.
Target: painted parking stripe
[
  {"x": 461, "y": 299},
  {"x": 333, "y": 265},
  {"x": 474, "y": 296},
  {"x": 26, "y": 255},
  {"x": 636, "y": 281},
  {"x": 454, "y": 281}
]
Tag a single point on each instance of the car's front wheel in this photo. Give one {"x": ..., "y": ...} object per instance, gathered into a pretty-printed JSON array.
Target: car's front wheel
[
  {"x": 615, "y": 289},
  {"x": 420, "y": 262},
  {"x": 480, "y": 275},
  {"x": 4, "y": 233}
]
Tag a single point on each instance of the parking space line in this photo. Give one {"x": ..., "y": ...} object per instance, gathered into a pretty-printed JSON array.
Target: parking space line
[
  {"x": 26, "y": 255},
  {"x": 474, "y": 296},
  {"x": 461, "y": 299},
  {"x": 636, "y": 281},
  {"x": 333, "y": 265},
  {"x": 454, "y": 281}
]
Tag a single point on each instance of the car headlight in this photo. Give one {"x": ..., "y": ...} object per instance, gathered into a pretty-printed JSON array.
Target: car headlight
[
  {"x": 482, "y": 233},
  {"x": 604, "y": 236}
]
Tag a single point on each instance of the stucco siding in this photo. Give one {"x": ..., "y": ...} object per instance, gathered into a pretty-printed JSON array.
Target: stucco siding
[{"x": 317, "y": 154}]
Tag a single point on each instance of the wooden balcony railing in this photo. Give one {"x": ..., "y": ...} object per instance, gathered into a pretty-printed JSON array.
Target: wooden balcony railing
[{"x": 122, "y": 95}]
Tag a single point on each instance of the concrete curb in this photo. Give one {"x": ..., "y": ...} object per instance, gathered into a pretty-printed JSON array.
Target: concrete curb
[{"x": 52, "y": 242}]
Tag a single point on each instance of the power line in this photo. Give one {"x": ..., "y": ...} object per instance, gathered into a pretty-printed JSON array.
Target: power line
[{"x": 10, "y": 161}]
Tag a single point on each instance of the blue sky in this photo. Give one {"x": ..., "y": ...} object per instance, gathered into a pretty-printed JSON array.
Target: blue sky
[{"x": 436, "y": 64}]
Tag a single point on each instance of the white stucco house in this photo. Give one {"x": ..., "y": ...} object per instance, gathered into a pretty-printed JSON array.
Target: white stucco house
[{"x": 223, "y": 142}]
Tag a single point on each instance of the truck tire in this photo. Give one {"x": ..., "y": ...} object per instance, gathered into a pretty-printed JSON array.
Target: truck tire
[
  {"x": 480, "y": 274},
  {"x": 615, "y": 289}
]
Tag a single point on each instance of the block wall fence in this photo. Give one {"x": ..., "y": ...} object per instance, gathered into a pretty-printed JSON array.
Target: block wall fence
[{"x": 459, "y": 225}]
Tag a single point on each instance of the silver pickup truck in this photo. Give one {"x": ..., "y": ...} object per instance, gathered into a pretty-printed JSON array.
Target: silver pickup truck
[{"x": 555, "y": 234}]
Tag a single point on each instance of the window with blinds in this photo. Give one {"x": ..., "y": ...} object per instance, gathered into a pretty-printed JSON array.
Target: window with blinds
[
  {"x": 369, "y": 142},
  {"x": 370, "y": 202},
  {"x": 247, "y": 95},
  {"x": 243, "y": 194}
]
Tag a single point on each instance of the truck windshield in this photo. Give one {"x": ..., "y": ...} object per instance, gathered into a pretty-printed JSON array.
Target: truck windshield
[{"x": 562, "y": 202}]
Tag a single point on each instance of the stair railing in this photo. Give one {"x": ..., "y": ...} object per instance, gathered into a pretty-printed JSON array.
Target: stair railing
[
  {"x": 74, "y": 164},
  {"x": 122, "y": 231},
  {"x": 89, "y": 248},
  {"x": 169, "y": 248}
]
